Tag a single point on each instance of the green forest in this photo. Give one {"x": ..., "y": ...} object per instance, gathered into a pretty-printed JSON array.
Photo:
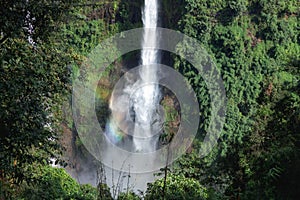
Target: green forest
[{"x": 255, "y": 45}]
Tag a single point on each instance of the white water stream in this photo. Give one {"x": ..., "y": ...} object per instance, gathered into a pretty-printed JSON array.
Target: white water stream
[
  {"x": 143, "y": 110},
  {"x": 145, "y": 100}
]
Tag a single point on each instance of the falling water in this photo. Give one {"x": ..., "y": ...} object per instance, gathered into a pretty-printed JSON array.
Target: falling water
[
  {"x": 145, "y": 101},
  {"x": 144, "y": 107}
]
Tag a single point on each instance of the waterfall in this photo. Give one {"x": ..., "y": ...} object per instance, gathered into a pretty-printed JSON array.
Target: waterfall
[
  {"x": 135, "y": 127},
  {"x": 145, "y": 101}
]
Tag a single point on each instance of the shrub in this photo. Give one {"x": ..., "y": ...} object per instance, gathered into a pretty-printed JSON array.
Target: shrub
[{"x": 177, "y": 187}]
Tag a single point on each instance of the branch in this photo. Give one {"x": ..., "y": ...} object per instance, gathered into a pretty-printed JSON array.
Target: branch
[{"x": 2, "y": 40}]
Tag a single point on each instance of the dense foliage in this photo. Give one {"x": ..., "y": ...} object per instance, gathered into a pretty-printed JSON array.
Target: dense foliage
[
  {"x": 55, "y": 183},
  {"x": 177, "y": 187},
  {"x": 33, "y": 82},
  {"x": 255, "y": 45}
]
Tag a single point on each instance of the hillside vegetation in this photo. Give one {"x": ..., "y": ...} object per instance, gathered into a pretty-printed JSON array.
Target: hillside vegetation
[{"x": 255, "y": 45}]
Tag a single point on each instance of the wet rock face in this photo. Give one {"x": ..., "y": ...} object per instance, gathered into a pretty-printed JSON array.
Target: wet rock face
[
  {"x": 171, "y": 109},
  {"x": 81, "y": 165}
]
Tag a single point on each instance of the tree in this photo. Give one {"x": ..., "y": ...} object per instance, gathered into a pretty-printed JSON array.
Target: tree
[
  {"x": 44, "y": 17},
  {"x": 177, "y": 187},
  {"x": 128, "y": 196},
  {"x": 53, "y": 183},
  {"x": 34, "y": 81},
  {"x": 254, "y": 44}
]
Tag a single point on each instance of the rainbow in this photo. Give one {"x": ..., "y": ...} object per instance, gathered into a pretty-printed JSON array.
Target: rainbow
[{"x": 113, "y": 133}]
